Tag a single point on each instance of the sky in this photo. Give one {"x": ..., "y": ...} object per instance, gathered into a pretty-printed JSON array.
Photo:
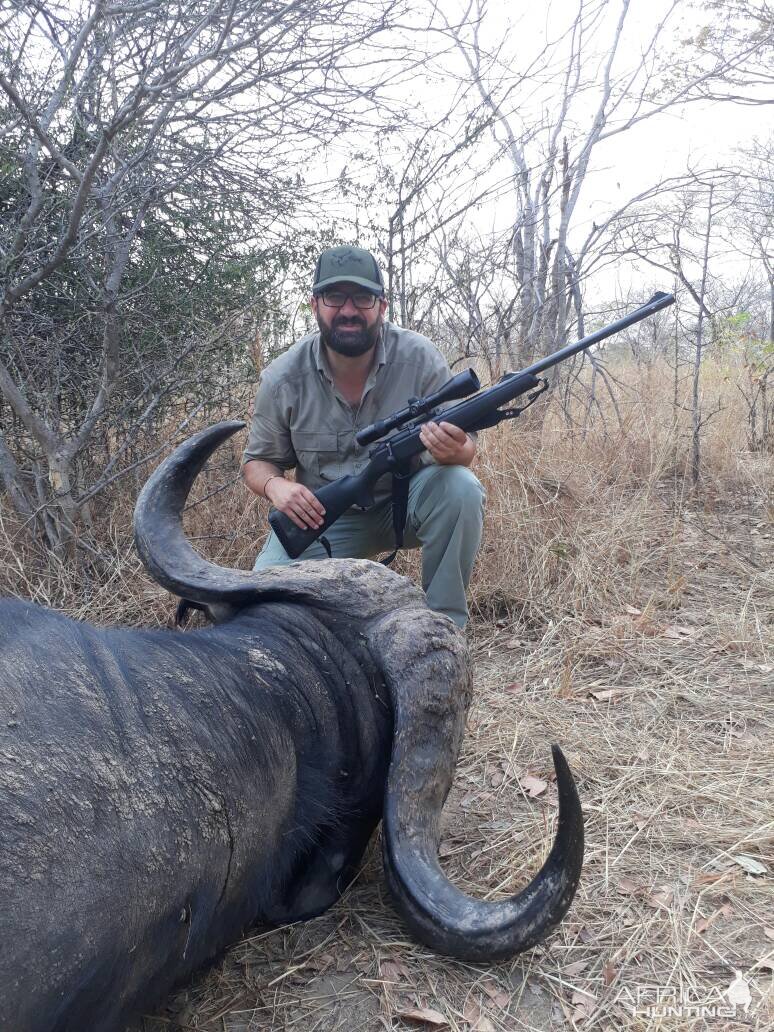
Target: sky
[{"x": 697, "y": 135}]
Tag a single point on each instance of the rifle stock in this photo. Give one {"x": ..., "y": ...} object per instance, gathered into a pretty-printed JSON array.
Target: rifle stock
[
  {"x": 477, "y": 412},
  {"x": 335, "y": 498}
]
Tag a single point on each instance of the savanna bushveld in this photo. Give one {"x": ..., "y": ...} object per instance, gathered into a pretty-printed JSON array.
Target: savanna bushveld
[{"x": 169, "y": 171}]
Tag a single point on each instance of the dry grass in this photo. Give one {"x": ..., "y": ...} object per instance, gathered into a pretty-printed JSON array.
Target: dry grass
[{"x": 630, "y": 620}]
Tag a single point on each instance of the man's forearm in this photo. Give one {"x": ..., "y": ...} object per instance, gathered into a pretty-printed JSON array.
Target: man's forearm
[{"x": 257, "y": 474}]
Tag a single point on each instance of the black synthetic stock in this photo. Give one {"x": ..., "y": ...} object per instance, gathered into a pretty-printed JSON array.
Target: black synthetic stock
[
  {"x": 335, "y": 498},
  {"x": 474, "y": 413}
]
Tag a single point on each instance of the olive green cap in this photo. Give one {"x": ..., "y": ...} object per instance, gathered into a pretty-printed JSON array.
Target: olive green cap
[{"x": 350, "y": 265}]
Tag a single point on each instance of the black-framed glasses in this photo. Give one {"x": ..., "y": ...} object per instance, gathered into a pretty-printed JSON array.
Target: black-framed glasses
[{"x": 361, "y": 299}]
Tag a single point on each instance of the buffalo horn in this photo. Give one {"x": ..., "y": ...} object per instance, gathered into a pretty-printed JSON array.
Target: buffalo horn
[
  {"x": 158, "y": 533},
  {"x": 455, "y": 924}
]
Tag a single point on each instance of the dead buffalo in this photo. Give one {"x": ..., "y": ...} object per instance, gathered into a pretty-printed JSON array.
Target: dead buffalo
[{"x": 160, "y": 792}]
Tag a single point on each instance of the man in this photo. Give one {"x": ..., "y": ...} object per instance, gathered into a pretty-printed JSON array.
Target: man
[{"x": 314, "y": 398}]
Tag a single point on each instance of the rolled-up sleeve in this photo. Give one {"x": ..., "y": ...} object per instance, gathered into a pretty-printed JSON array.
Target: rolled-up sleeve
[{"x": 269, "y": 438}]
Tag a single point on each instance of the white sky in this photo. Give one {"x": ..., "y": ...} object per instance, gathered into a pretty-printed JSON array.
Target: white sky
[{"x": 700, "y": 135}]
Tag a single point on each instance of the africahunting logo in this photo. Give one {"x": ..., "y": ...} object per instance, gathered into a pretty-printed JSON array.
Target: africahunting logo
[{"x": 668, "y": 1001}]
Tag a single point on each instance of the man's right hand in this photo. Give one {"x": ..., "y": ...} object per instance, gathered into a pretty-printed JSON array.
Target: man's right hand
[{"x": 295, "y": 501}]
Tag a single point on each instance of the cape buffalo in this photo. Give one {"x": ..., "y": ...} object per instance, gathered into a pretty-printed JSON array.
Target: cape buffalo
[{"x": 162, "y": 791}]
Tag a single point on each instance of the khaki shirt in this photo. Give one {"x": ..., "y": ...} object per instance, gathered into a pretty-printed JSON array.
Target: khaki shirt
[{"x": 301, "y": 421}]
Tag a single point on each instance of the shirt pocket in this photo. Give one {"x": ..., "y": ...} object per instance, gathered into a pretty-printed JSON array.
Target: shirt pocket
[{"x": 317, "y": 452}]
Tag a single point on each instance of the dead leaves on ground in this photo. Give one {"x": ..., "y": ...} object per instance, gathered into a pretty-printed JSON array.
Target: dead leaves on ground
[
  {"x": 501, "y": 773},
  {"x": 725, "y": 911},
  {"x": 477, "y": 1017},
  {"x": 394, "y": 970},
  {"x": 423, "y": 1016},
  {"x": 663, "y": 896},
  {"x": 634, "y": 622},
  {"x": 401, "y": 999},
  {"x": 487, "y": 1006},
  {"x": 533, "y": 786},
  {"x": 750, "y": 864},
  {"x": 404, "y": 999},
  {"x": 582, "y": 1006},
  {"x": 606, "y": 694},
  {"x": 473, "y": 1012},
  {"x": 658, "y": 896}
]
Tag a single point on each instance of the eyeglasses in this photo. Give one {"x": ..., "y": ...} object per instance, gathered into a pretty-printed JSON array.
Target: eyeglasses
[{"x": 362, "y": 300}]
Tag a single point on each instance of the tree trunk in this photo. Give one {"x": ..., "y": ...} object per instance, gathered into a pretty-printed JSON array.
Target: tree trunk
[{"x": 696, "y": 403}]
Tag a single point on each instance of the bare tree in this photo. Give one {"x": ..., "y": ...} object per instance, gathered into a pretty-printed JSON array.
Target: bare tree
[
  {"x": 732, "y": 42},
  {"x": 753, "y": 225},
  {"x": 682, "y": 238},
  {"x": 149, "y": 143},
  {"x": 548, "y": 107},
  {"x": 551, "y": 158}
]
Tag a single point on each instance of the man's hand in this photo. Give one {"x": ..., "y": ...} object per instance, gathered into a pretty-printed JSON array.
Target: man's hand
[
  {"x": 296, "y": 501},
  {"x": 448, "y": 444}
]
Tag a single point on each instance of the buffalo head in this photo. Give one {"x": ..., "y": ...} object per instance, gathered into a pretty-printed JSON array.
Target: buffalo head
[{"x": 424, "y": 663}]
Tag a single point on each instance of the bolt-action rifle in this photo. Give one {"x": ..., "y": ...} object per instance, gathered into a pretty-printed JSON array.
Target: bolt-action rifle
[{"x": 482, "y": 410}]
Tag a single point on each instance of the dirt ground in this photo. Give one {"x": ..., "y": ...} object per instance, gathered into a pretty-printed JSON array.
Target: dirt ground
[{"x": 665, "y": 710}]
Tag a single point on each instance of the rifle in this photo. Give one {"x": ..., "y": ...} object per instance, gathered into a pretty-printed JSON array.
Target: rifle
[{"x": 475, "y": 413}]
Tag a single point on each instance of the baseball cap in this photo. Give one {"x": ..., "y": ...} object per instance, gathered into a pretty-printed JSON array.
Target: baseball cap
[{"x": 350, "y": 264}]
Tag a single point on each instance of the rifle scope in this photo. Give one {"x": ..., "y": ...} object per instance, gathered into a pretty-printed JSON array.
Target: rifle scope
[{"x": 460, "y": 386}]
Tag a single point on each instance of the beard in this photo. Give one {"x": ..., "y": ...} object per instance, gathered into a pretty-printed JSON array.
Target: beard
[{"x": 349, "y": 335}]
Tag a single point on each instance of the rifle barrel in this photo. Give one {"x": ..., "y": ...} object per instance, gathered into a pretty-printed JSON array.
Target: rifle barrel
[{"x": 657, "y": 302}]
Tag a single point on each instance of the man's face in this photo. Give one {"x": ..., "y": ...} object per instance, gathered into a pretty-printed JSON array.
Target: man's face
[{"x": 348, "y": 330}]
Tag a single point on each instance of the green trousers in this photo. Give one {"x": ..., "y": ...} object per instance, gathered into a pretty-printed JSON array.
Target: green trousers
[{"x": 445, "y": 518}]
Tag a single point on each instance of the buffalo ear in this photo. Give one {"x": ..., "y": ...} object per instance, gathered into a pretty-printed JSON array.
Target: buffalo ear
[
  {"x": 184, "y": 609},
  {"x": 214, "y": 612}
]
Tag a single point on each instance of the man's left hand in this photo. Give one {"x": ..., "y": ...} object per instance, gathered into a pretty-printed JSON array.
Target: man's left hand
[{"x": 448, "y": 444}]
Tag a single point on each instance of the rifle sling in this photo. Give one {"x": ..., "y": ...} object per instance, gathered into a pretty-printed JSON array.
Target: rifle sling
[{"x": 400, "y": 493}]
